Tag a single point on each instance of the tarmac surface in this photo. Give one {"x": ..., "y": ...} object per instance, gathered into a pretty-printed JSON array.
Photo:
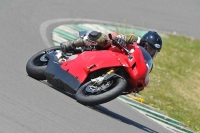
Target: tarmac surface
[{"x": 27, "y": 105}]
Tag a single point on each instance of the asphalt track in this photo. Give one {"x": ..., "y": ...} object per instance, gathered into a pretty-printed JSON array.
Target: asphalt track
[{"x": 29, "y": 106}]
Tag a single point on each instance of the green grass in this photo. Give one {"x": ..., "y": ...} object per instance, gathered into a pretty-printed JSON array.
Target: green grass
[{"x": 175, "y": 80}]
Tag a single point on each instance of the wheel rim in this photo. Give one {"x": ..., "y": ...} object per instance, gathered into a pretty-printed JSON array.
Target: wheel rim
[
  {"x": 93, "y": 89},
  {"x": 41, "y": 60}
]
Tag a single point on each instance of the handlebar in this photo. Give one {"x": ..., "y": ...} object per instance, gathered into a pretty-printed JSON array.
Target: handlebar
[
  {"x": 122, "y": 46},
  {"x": 110, "y": 36}
]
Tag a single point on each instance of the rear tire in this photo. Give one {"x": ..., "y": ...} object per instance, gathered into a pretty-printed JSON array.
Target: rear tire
[
  {"x": 116, "y": 89},
  {"x": 35, "y": 67}
]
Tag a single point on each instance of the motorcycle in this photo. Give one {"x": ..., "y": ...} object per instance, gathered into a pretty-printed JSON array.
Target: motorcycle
[{"x": 93, "y": 76}]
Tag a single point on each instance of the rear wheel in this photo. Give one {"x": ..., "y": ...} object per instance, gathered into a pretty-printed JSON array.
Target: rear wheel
[
  {"x": 91, "y": 94},
  {"x": 37, "y": 64}
]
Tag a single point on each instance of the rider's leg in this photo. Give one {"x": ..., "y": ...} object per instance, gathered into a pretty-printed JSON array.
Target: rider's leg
[{"x": 94, "y": 38}]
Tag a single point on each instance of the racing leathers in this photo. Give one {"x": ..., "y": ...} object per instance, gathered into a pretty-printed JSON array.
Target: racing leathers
[{"x": 98, "y": 39}]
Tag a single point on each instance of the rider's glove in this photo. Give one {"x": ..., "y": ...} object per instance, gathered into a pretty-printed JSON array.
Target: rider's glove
[{"x": 116, "y": 41}]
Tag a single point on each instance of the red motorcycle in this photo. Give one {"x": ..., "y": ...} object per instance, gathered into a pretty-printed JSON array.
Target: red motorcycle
[{"x": 94, "y": 76}]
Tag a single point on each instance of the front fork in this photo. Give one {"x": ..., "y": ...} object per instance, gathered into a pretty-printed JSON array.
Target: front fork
[{"x": 99, "y": 80}]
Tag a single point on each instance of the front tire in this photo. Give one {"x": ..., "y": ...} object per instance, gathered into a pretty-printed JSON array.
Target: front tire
[
  {"x": 37, "y": 64},
  {"x": 115, "y": 88}
]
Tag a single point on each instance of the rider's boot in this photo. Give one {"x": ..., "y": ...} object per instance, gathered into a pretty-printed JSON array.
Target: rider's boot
[{"x": 71, "y": 44}]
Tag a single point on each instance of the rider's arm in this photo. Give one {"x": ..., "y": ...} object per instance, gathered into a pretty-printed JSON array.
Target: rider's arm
[
  {"x": 101, "y": 39},
  {"x": 129, "y": 38}
]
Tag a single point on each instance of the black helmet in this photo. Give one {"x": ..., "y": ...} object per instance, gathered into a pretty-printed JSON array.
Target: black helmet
[{"x": 151, "y": 40}]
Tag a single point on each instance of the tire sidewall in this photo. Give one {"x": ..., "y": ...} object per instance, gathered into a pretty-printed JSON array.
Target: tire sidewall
[
  {"x": 103, "y": 97},
  {"x": 37, "y": 72}
]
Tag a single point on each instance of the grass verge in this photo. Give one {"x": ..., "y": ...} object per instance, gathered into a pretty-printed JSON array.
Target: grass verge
[{"x": 174, "y": 82}]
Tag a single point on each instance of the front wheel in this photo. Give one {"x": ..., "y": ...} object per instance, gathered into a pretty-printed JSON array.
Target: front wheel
[
  {"x": 37, "y": 64},
  {"x": 91, "y": 94}
]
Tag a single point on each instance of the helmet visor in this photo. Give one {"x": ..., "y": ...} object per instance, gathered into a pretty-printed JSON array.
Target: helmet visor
[{"x": 150, "y": 50}]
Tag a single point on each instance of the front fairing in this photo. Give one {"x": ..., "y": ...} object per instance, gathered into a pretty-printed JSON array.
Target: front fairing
[
  {"x": 89, "y": 61},
  {"x": 143, "y": 62},
  {"x": 142, "y": 65}
]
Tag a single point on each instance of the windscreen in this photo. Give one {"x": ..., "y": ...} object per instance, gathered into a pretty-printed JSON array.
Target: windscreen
[{"x": 148, "y": 59}]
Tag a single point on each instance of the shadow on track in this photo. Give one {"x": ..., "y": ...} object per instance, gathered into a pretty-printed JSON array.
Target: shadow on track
[
  {"x": 121, "y": 118},
  {"x": 107, "y": 112}
]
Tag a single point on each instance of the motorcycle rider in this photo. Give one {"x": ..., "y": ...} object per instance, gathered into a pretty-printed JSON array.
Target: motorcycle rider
[{"x": 150, "y": 41}]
